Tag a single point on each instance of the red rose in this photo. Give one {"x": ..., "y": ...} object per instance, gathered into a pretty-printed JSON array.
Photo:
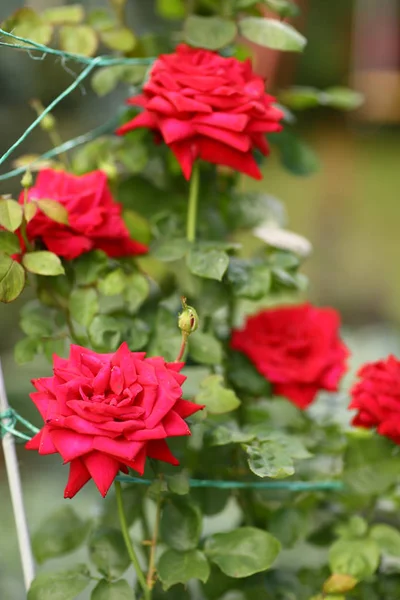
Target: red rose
[
  {"x": 377, "y": 398},
  {"x": 106, "y": 412},
  {"x": 94, "y": 217},
  {"x": 209, "y": 107},
  {"x": 297, "y": 348}
]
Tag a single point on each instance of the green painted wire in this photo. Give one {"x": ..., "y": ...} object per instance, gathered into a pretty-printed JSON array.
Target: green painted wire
[
  {"x": 294, "y": 486},
  {"x": 100, "y": 61}
]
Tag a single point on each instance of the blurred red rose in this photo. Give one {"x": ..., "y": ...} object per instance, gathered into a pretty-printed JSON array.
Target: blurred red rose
[
  {"x": 106, "y": 412},
  {"x": 94, "y": 217},
  {"x": 376, "y": 397},
  {"x": 297, "y": 348},
  {"x": 209, "y": 107}
]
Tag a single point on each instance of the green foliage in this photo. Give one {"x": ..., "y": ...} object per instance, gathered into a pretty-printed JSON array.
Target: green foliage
[
  {"x": 180, "y": 567},
  {"x": 62, "y": 532},
  {"x": 272, "y": 34},
  {"x": 108, "y": 553},
  {"x": 9, "y": 243},
  {"x": 358, "y": 558},
  {"x": 43, "y": 263},
  {"x": 112, "y": 590},
  {"x": 10, "y": 214},
  {"x": 60, "y": 585},
  {"x": 217, "y": 398},
  {"x": 242, "y": 552},
  {"x": 209, "y": 32},
  {"x": 207, "y": 262},
  {"x": 181, "y": 524},
  {"x": 12, "y": 278}
]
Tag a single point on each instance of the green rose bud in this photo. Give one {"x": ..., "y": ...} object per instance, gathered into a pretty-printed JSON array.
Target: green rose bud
[{"x": 188, "y": 319}]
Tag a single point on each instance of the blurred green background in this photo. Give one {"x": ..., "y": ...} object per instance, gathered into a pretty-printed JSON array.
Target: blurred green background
[{"x": 349, "y": 210}]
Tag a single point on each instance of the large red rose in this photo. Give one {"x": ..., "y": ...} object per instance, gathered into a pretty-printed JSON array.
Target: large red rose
[
  {"x": 376, "y": 397},
  {"x": 209, "y": 107},
  {"x": 94, "y": 217},
  {"x": 297, "y": 348},
  {"x": 106, "y": 412}
]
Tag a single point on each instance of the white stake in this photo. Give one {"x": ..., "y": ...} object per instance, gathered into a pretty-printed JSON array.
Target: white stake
[{"x": 14, "y": 482}]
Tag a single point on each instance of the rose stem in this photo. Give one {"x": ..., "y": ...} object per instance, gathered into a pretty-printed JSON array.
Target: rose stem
[
  {"x": 150, "y": 573},
  {"x": 193, "y": 201},
  {"x": 128, "y": 543},
  {"x": 185, "y": 337}
]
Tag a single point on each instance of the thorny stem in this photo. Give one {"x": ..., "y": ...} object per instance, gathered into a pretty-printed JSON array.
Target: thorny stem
[
  {"x": 153, "y": 547},
  {"x": 132, "y": 554},
  {"x": 193, "y": 202}
]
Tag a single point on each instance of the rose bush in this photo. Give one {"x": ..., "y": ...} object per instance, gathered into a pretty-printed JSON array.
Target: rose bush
[{"x": 269, "y": 502}]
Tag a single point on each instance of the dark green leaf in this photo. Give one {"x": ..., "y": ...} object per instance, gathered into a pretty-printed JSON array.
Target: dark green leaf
[
  {"x": 289, "y": 525},
  {"x": 54, "y": 210},
  {"x": 250, "y": 209},
  {"x": 61, "y": 533},
  {"x": 138, "y": 227},
  {"x": 108, "y": 552},
  {"x": 131, "y": 500},
  {"x": 295, "y": 154},
  {"x": 179, "y": 567},
  {"x": 78, "y": 39},
  {"x": 9, "y": 243},
  {"x": 83, "y": 306},
  {"x": 61, "y": 585},
  {"x": 137, "y": 334},
  {"x": 245, "y": 376},
  {"x": 358, "y": 558},
  {"x": 113, "y": 283},
  {"x": 207, "y": 263},
  {"x": 212, "y": 33},
  {"x": 272, "y": 34},
  {"x": 90, "y": 267},
  {"x": 242, "y": 552},
  {"x": 170, "y": 250},
  {"x": 53, "y": 346},
  {"x": 105, "y": 333},
  {"x": 12, "y": 279},
  {"x": 211, "y": 500},
  {"x": 284, "y": 8},
  {"x": 25, "y": 350},
  {"x": 387, "y": 538},
  {"x": 120, "y": 38},
  {"x": 112, "y": 590},
  {"x": 167, "y": 339},
  {"x": 58, "y": 15},
  {"x": 178, "y": 484},
  {"x": 249, "y": 281},
  {"x": 10, "y": 214},
  {"x": 181, "y": 524},
  {"x": 217, "y": 398},
  {"x": 204, "y": 348},
  {"x": 43, "y": 263},
  {"x": 272, "y": 455},
  {"x": 35, "y": 322}
]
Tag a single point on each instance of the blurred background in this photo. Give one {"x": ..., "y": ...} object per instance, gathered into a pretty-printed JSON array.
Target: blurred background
[{"x": 349, "y": 209}]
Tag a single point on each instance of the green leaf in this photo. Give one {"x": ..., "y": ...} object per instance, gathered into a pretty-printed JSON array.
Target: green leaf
[
  {"x": 74, "y": 13},
  {"x": 30, "y": 210},
  {"x": 113, "y": 283},
  {"x": 204, "y": 348},
  {"x": 337, "y": 584},
  {"x": 61, "y": 533},
  {"x": 10, "y": 214},
  {"x": 212, "y": 33},
  {"x": 178, "y": 484},
  {"x": 25, "y": 350},
  {"x": 207, "y": 263},
  {"x": 249, "y": 281},
  {"x": 230, "y": 434},
  {"x": 242, "y": 552},
  {"x": 181, "y": 523},
  {"x": 12, "y": 279},
  {"x": 342, "y": 98},
  {"x": 296, "y": 156},
  {"x": 137, "y": 334},
  {"x": 28, "y": 24},
  {"x": 250, "y": 209},
  {"x": 106, "y": 79},
  {"x": 108, "y": 553},
  {"x": 370, "y": 465},
  {"x": 101, "y": 19},
  {"x": 269, "y": 459},
  {"x": 54, "y": 210},
  {"x": 217, "y": 398},
  {"x": 387, "y": 538},
  {"x": 83, "y": 306},
  {"x": 35, "y": 321},
  {"x": 80, "y": 39},
  {"x": 170, "y": 250},
  {"x": 284, "y": 8},
  {"x": 43, "y": 263},
  {"x": 9, "y": 243},
  {"x": 356, "y": 527},
  {"x": 272, "y": 34},
  {"x": 136, "y": 291},
  {"x": 180, "y": 567},
  {"x": 105, "y": 333},
  {"x": 245, "y": 377},
  {"x": 53, "y": 346},
  {"x": 61, "y": 585},
  {"x": 171, "y": 9},
  {"x": 138, "y": 227},
  {"x": 133, "y": 155},
  {"x": 90, "y": 267},
  {"x": 131, "y": 499},
  {"x": 119, "y": 38},
  {"x": 112, "y": 590},
  {"x": 289, "y": 525},
  {"x": 167, "y": 337},
  {"x": 358, "y": 558},
  {"x": 300, "y": 97}
]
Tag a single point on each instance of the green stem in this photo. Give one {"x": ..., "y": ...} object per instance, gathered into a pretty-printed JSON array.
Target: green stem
[
  {"x": 193, "y": 201},
  {"x": 185, "y": 337},
  {"x": 152, "y": 560},
  {"x": 128, "y": 543}
]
